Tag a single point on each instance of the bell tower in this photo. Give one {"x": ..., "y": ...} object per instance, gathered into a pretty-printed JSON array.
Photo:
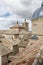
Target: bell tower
[{"x": 25, "y": 24}]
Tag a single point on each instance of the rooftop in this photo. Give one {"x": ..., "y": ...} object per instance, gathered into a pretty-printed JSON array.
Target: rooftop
[
  {"x": 12, "y": 32},
  {"x": 17, "y": 25},
  {"x": 4, "y": 49}
]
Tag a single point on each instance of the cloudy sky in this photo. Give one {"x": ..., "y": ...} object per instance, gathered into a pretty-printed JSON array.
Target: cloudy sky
[{"x": 13, "y": 10}]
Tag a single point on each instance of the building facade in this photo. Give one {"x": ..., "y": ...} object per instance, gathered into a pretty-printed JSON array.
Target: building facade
[{"x": 37, "y": 21}]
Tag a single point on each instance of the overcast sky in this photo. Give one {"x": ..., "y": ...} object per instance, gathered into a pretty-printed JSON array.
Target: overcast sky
[{"x": 18, "y": 10}]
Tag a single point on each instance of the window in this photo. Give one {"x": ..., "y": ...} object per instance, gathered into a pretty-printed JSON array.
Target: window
[{"x": 35, "y": 28}]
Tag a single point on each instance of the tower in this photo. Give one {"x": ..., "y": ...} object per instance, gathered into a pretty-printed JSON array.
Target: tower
[{"x": 25, "y": 24}]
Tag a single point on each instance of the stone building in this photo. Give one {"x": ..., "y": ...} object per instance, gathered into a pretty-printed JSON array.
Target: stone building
[
  {"x": 17, "y": 27},
  {"x": 4, "y": 53},
  {"x": 13, "y": 45},
  {"x": 37, "y": 21},
  {"x": 24, "y": 36},
  {"x": 19, "y": 43},
  {"x": 15, "y": 30}
]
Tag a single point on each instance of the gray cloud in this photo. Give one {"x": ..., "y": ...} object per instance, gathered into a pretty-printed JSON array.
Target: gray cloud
[
  {"x": 24, "y": 8},
  {"x": 26, "y": 2},
  {"x": 27, "y": 7},
  {"x": 21, "y": 8},
  {"x": 25, "y": 14}
]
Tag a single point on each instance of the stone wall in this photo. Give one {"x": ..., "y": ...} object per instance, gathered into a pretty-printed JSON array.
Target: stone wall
[{"x": 39, "y": 23}]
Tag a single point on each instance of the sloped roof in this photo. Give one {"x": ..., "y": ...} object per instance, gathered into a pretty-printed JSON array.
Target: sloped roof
[
  {"x": 9, "y": 32},
  {"x": 17, "y": 25},
  {"x": 4, "y": 49},
  {"x": 10, "y": 42}
]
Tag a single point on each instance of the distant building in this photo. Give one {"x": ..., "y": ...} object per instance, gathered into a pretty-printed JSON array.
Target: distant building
[{"x": 19, "y": 27}]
